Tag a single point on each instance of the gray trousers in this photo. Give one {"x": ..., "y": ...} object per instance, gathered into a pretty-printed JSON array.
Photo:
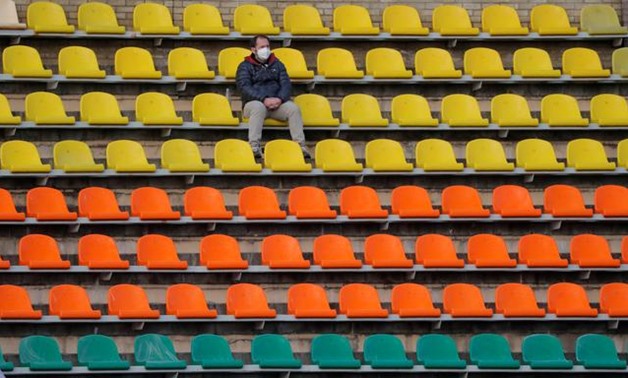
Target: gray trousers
[{"x": 256, "y": 112}]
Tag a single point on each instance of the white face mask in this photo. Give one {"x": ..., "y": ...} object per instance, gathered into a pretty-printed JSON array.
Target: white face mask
[{"x": 263, "y": 54}]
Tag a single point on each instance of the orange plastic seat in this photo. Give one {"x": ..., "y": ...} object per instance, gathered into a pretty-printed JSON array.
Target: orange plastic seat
[
  {"x": 248, "y": 301},
  {"x": 71, "y": 302},
  {"x": 283, "y": 252},
  {"x": 221, "y": 252},
  {"x": 259, "y": 202},
  {"x": 361, "y": 202},
  {"x": 100, "y": 252},
  {"x": 592, "y": 251},
  {"x": 47, "y": 204},
  {"x": 517, "y": 300},
  {"x": 436, "y": 251},
  {"x": 611, "y": 200},
  {"x": 513, "y": 201},
  {"x": 568, "y": 299},
  {"x": 4, "y": 264},
  {"x": 97, "y": 203},
  {"x": 465, "y": 301},
  {"x": 564, "y": 201},
  {"x": 16, "y": 304},
  {"x": 309, "y": 301},
  {"x": 204, "y": 202},
  {"x": 40, "y": 252},
  {"x": 158, "y": 252},
  {"x": 460, "y": 201},
  {"x": 7, "y": 208},
  {"x": 334, "y": 251},
  {"x": 187, "y": 301},
  {"x": 129, "y": 302},
  {"x": 410, "y": 300},
  {"x": 540, "y": 251},
  {"x": 385, "y": 251},
  {"x": 613, "y": 299},
  {"x": 411, "y": 201},
  {"x": 360, "y": 301},
  {"x": 152, "y": 203},
  {"x": 309, "y": 202},
  {"x": 489, "y": 251}
]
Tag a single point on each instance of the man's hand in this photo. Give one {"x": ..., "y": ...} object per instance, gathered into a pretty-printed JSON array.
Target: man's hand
[{"x": 272, "y": 103}]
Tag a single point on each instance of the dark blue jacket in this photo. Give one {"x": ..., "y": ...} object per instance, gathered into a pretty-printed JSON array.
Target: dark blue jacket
[{"x": 257, "y": 81}]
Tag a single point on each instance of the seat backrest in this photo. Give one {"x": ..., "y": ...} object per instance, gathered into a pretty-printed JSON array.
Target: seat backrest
[
  {"x": 433, "y": 58},
  {"x": 149, "y": 199},
  {"x": 459, "y": 106},
  {"x": 201, "y": 15},
  {"x": 481, "y": 59},
  {"x": 400, "y": 16},
  {"x": 548, "y": 16},
  {"x": 537, "y": 246},
  {"x": 509, "y": 106},
  {"x": 435, "y": 151},
  {"x": 358, "y": 197},
  {"x": 486, "y": 246},
  {"x": 153, "y": 347},
  {"x": 558, "y": 197},
  {"x": 97, "y": 348},
  {"x": 125, "y": 152},
  {"x": 153, "y": 104},
  {"x": 218, "y": 247},
  {"x": 8, "y": 17},
  {"x": 307, "y": 296},
  {"x": 592, "y": 348},
  {"x": 45, "y": 200},
  {"x": 5, "y": 108},
  {"x": 133, "y": 59},
  {"x": 251, "y": 15},
  {"x": 514, "y": 298},
  {"x": 358, "y": 296},
  {"x": 482, "y": 152},
  {"x": 580, "y": 58},
  {"x": 613, "y": 296},
  {"x": 210, "y": 347},
  {"x": 96, "y": 14},
  {"x": 307, "y": 199},
  {"x": 530, "y": 153},
  {"x": 566, "y": 295},
  {"x": 410, "y": 295},
  {"x": 333, "y": 152},
  {"x": 270, "y": 347},
  {"x": 38, "y": 247},
  {"x": 608, "y": 106},
  {"x": 39, "y": 349},
  {"x": 622, "y": 153},
  {"x": 384, "y": 59},
  {"x": 155, "y": 247},
  {"x": 228, "y": 60},
  {"x": 609, "y": 198},
  {"x": 460, "y": 196},
  {"x": 530, "y": 60},
  {"x": 383, "y": 246},
  {"x": 43, "y": 104},
  {"x": 97, "y": 247},
  {"x": 126, "y": 297},
  {"x": 434, "y": 246},
  {"x": 351, "y": 17},
  {"x": 73, "y": 59},
  {"x": 72, "y": 152},
  {"x": 559, "y": 107},
  {"x": 293, "y": 59},
  {"x": 244, "y": 296},
  {"x": 585, "y": 152},
  {"x": 594, "y": 17},
  {"x": 185, "y": 297},
  {"x": 499, "y": 16},
  {"x": 383, "y": 347},
  {"x": 280, "y": 151},
  {"x": 45, "y": 14},
  {"x": 7, "y": 206},
  {"x": 99, "y": 105},
  {"x": 301, "y": 15},
  {"x": 360, "y": 107},
  {"x": 450, "y": 16},
  {"x": 384, "y": 152},
  {"x": 408, "y": 107},
  {"x": 282, "y": 248},
  {"x": 589, "y": 246},
  {"x": 314, "y": 108},
  {"x": 180, "y": 151},
  {"x": 18, "y": 153},
  {"x": 434, "y": 347},
  {"x": 95, "y": 200},
  {"x": 331, "y": 347},
  {"x": 461, "y": 295},
  {"x": 257, "y": 198},
  {"x": 409, "y": 199},
  {"x": 541, "y": 347},
  {"x": 184, "y": 60},
  {"x": 333, "y": 59},
  {"x": 64, "y": 298},
  {"x": 620, "y": 61},
  {"x": 211, "y": 105},
  {"x": 203, "y": 199},
  {"x": 489, "y": 347},
  {"x": 332, "y": 247},
  {"x": 151, "y": 15},
  {"x": 511, "y": 197},
  {"x": 229, "y": 151},
  {"x": 14, "y": 299}
]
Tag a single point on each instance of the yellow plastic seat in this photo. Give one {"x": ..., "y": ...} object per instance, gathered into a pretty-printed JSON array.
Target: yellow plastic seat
[
  {"x": 411, "y": 110},
  {"x": 18, "y": 156},
  {"x": 484, "y": 62},
  {"x": 582, "y": 62},
  {"x": 315, "y": 110},
  {"x": 235, "y": 155},
  {"x": 533, "y": 62},
  {"x": 100, "y": 108},
  {"x": 336, "y": 63},
  {"x": 620, "y": 62},
  {"x": 181, "y": 155},
  {"x": 588, "y": 155},
  {"x": 154, "y": 108},
  {"x": 435, "y": 63},
  {"x": 547, "y": 19},
  {"x": 362, "y": 110},
  {"x": 152, "y": 18},
  {"x": 79, "y": 62},
  {"x": 502, "y": 20},
  {"x": 561, "y": 110},
  {"x": 537, "y": 155},
  {"x": 511, "y": 110},
  {"x": 229, "y": 59},
  {"x": 203, "y": 19},
  {"x": 402, "y": 20},
  {"x": 294, "y": 61},
  {"x": 452, "y": 20},
  {"x": 253, "y": 19},
  {"x": 6, "y": 116},
  {"x": 47, "y": 17},
  {"x": 8, "y": 16},
  {"x": 188, "y": 63},
  {"x": 135, "y": 63},
  {"x": 98, "y": 18},
  {"x": 336, "y": 155},
  {"x": 127, "y": 156},
  {"x": 386, "y": 155},
  {"x": 460, "y": 110},
  {"x": 46, "y": 108},
  {"x": 353, "y": 20},
  {"x": 600, "y": 19},
  {"x": 303, "y": 19},
  {"x": 609, "y": 110},
  {"x": 75, "y": 156},
  {"x": 23, "y": 61},
  {"x": 436, "y": 155},
  {"x": 487, "y": 155},
  {"x": 212, "y": 109},
  {"x": 622, "y": 153},
  {"x": 282, "y": 155},
  {"x": 386, "y": 63}
]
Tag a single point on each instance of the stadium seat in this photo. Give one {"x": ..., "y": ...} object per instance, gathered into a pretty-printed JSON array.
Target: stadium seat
[
  {"x": 564, "y": 201},
  {"x": 489, "y": 251},
  {"x": 511, "y": 110},
  {"x": 411, "y": 110},
  {"x": 153, "y": 18},
  {"x": 152, "y": 203},
  {"x": 402, "y": 20},
  {"x": 539, "y": 251},
  {"x": 561, "y": 110},
  {"x": 598, "y": 352},
  {"x": 258, "y": 202},
  {"x": 302, "y": 19},
  {"x": 435, "y": 63},
  {"x": 547, "y": 19},
  {"x": 588, "y": 155},
  {"x": 337, "y": 63},
  {"x": 360, "y": 301},
  {"x": 336, "y": 155},
  {"x": 97, "y": 203},
  {"x": 583, "y": 62},
  {"x": 188, "y": 63},
  {"x": 491, "y": 351},
  {"x": 460, "y": 110},
  {"x": 154, "y": 108},
  {"x": 229, "y": 59},
  {"x": 307, "y": 202},
  {"x": 295, "y": 63},
  {"x": 622, "y": 153},
  {"x": 48, "y": 204},
  {"x": 361, "y": 202},
  {"x": 213, "y": 352},
  {"x": 9, "y": 20},
  {"x": 460, "y": 201},
  {"x": 452, "y": 20},
  {"x": 487, "y": 155},
  {"x": 235, "y": 155},
  {"x": 307, "y": 300},
  {"x": 219, "y": 251},
  {"x": 274, "y": 352},
  {"x": 409, "y": 201},
  {"x": 253, "y": 19},
  {"x": 610, "y": 200},
  {"x": 502, "y": 20},
  {"x": 201, "y": 19},
  {"x": 386, "y": 155},
  {"x": 47, "y": 17},
  {"x": 332, "y": 251},
  {"x": 129, "y": 302},
  {"x": 383, "y": 351},
  {"x": 212, "y": 109},
  {"x": 75, "y": 156},
  {"x": 127, "y": 156},
  {"x": 410, "y": 300},
  {"x": 79, "y": 62},
  {"x": 353, "y": 20},
  {"x": 482, "y": 62},
  {"x": 517, "y": 300},
  {"x": 531, "y": 62},
  {"x": 6, "y": 116},
  {"x": 16, "y": 304},
  {"x": 70, "y": 302},
  {"x": 600, "y": 19},
  {"x": 282, "y": 155},
  {"x": 135, "y": 62},
  {"x": 513, "y": 201},
  {"x": 537, "y": 155},
  {"x": 331, "y": 351},
  {"x": 620, "y": 62},
  {"x": 385, "y": 251},
  {"x": 436, "y": 155},
  {"x": 46, "y": 108},
  {"x": 155, "y": 351},
  {"x": 362, "y": 110},
  {"x": 614, "y": 299},
  {"x": 609, "y": 110},
  {"x": 588, "y": 250},
  {"x": 386, "y": 63},
  {"x": 158, "y": 252},
  {"x": 187, "y": 301},
  {"x": 99, "y": 352},
  {"x": 283, "y": 252},
  {"x": 98, "y": 18},
  {"x": 315, "y": 110},
  {"x": 569, "y": 300},
  {"x": 39, "y": 251},
  {"x": 436, "y": 251},
  {"x": 7, "y": 208},
  {"x": 203, "y": 202},
  {"x": 462, "y": 300},
  {"x": 41, "y": 353},
  {"x": 100, "y": 252},
  {"x": 246, "y": 300},
  {"x": 182, "y": 155},
  {"x": 4, "y": 364},
  {"x": 438, "y": 352},
  {"x": 18, "y": 156},
  {"x": 100, "y": 108}
]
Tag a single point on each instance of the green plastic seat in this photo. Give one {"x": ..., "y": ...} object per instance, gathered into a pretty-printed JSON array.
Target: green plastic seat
[
  {"x": 386, "y": 352},
  {"x": 491, "y": 351},
  {"x": 597, "y": 352},
  {"x": 544, "y": 352},
  {"x": 99, "y": 352},
  {"x": 4, "y": 364},
  {"x": 331, "y": 351},
  {"x": 438, "y": 352},
  {"x": 155, "y": 351},
  {"x": 42, "y": 353},
  {"x": 273, "y": 351},
  {"x": 213, "y": 352}
]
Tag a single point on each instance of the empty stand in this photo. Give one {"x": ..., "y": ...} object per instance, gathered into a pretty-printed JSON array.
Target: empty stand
[
  {"x": 309, "y": 301},
  {"x": 75, "y": 156},
  {"x": 79, "y": 62},
  {"x": 452, "y": 20},
  {"x": 16, "y": 304},
  {"x": 532, "y": 62},
  {"x": 187, "y": 301},
  {"x": 100, "y": 108},
  {"x": 565, "y": 201},
  {"x": 547, "y": 19},
  {"x": 203, "y": 202},
  {"x": 410, "y": 201},
  {"x": 48, "y": 204},
  {"x": 155, "y": 351},
  {"x": 361, "y": 301},
  {"x": 502, "y": 20},
  {"x": 331, "y": 351},
  {"x": 212, "y": 109},
  {"x": 283, "y": 252},
  {"x": 435, "y": 63},
  {"x": 491, "y": 351},
  {"x": 152, "y": 18},
  {"x": 18, "y": 156},
  {"x": 273, "y": 351},
  {"x": 295, "y": 63},
  {"x": 332, "y": 251},
  {"x": 487, "y": 155},
  {"x": 282, "y": 155},
  {"x": 464, "y": 300},
  {"x": 463, "y": 201},
  {"x": 97, "y": 203},
  {"x": 301, "y": 19},
  {"x": 613, "y": 299},
  {"x": 482, "y": 62},
  {"x": 513, "y": 201},
  {"x": 39, "y": 251},
  {"x": 436, "y": 155},
  {"x": 46, "y": 108},
  {"x": 130, "y": 302},
  {"x": 436, "y": 251},
  {"x": 258, "y": 202},
  {"x": 438, "y": 352},
  {"x": 212, "y": 351},
  {"x": 100, "y": 252},
  {"x": 203, "y": 19},
  {"x": 411, "y": 110},
  {"x": 337, "y": 63},
  {"x": 511, "y": 110},
  {"x": 234, "y": 155},
  {"x": 135, "y": 63},
  {"x": 353, "y": 20},
  {"x": 610, "y": 200},
  {"x": 158, "y": 252},
  {"x": 489, "y": 251},
  {"x": 567, "y": 299},
  {"x": 386, "y": 63},
  {"x": 412, "y": 300},
  {"x": 182, "y": 155},
  {"x": 361, "y": 202},
  {"x": 253, "y": 19},
  {"x": 248, "y": 301},
  {"x": 537, "y": 155},
  {"x": 587, "y": 154},
  {"x": 460, "y": 110},
  {"x": 386, "y": 155},
  {"x": 335, "y": 155},
  {"x": 99, "y": 352},
  {"x": 385, "y": 251},
  {"x": 42, "y": 353},
  {"x": 402, "y": 20},
  {"x": 589, "y": 250},
  {"x": 71, "y": 302},
  {"x": 306, "y": 202},
  {"x": 98, "y": 18},
  {"x": 383, "y": 351},
  {"x": 219, "y": 251},
  {"x": 127, "y": 156},
  {"x": 517, "y": 300},
  {"x": 47, "y": 17},
  {"x": 583, "y": 62},
  {"x": 538, "y": 251},
  {"x": 152, "y": 203}
]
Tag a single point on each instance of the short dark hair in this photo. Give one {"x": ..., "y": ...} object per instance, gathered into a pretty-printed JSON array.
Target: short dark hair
[{"x": 253, "y": 41}]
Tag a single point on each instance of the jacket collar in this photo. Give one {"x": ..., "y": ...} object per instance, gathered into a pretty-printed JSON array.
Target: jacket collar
[{"x": 251, "y": 59}]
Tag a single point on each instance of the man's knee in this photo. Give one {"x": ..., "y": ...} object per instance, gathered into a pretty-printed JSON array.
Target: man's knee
[
  {"x": 255, "y": 108},
  {"x": 290, "y": 108}
]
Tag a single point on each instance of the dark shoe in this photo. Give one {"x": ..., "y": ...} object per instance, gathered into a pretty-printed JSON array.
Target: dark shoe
[{"x": 257, "y": 151}]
